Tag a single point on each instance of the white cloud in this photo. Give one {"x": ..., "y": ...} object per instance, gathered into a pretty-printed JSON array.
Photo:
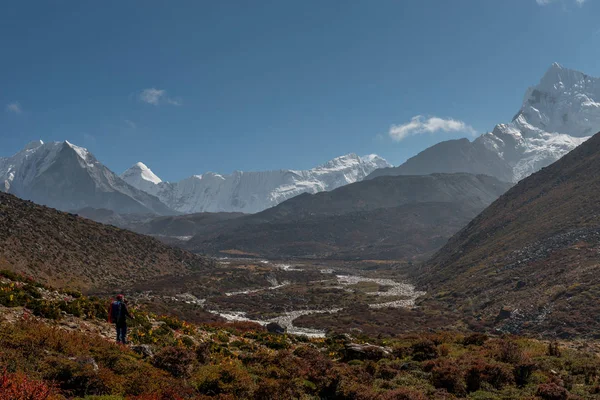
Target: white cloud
[
  {"x": 130, "y": 124},
  {"x": 419, "y": 125},
  {"x": 157, "y": 96},
  {"x": 14, "y": 107}
]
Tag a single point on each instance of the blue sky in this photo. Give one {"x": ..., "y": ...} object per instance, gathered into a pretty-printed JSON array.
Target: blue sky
[{"x": 195, "y": 86}]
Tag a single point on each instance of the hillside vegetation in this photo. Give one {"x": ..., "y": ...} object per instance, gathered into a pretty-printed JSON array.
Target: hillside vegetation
[
  {"x": 529, "y": 262},
  {"x": 54, "y": 345},
  {"x": 67, "y": 250}
]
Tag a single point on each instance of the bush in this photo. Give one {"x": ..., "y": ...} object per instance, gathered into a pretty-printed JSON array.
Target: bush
[
  {"x": 477, "y": 339},
  {"x": 403, "y": 394},
  {"x": 509, "y": 351},
  {"x": 229, "y": 377},
  {"x": 523, "y": 372},
  {"x": 424, "y": 350},
  {"x": 497, "y": 375},
  {"x": 203, "y": 353},
  {"x": 178, "y": 361},
  {"x": 19, "y": 386},
  {"x": 44, "y": 309},
  {"x": 446, "y": 374},
  {"x": 551, "y": 391},
  {"x": 553, "y": 349}
]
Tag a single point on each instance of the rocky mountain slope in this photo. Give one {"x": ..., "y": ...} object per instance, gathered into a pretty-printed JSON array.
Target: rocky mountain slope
[
  {"x": 250, "y": 192},
  {"x": 67, "y": 177},
  {"x": 453, "y": 156},
  {"x": 388, "y": 217},
  {"x": 556, "y": 116},
  {"x": 68, "y": 250},
  {"x": 529, "y": 262}
]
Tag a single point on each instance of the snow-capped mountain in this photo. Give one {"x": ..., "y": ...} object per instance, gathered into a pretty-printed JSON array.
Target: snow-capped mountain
[
  {"x": 68, "y": 177},
  {"x": 556, "y": 116},
  {"x": 250, "y": 192}
]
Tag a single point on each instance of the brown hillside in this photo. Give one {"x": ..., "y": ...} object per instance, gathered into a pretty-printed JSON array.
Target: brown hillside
[
  {"x": 66, "y": 250},
  {"x": 529, "y": 262}
]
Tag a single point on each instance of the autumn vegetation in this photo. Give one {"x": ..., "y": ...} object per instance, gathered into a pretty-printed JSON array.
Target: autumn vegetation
[{"x": 173, "y": 359}]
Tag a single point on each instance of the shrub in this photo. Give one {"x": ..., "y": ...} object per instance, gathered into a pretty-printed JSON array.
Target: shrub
[
  {"x": 446, "y": 374},
  {"x": 497, "y": 375},
  {"x": 203, "y": 353},
  {"x": 229, "y": 377},
  {"x": 44, "y": 309},
  {"x": 19, "y": 386},
  {"x": 178, "y": 361},
  {"x": 403, "y": 394},
  {"x": 424, "y": 350},
  {"x": 551, "y": 391},
  {"x": 509, "y": 351},
  {"x": 523, "y": 372},
  {"x": 553, "y": 349},
  {"x": 477, "y": 339}
]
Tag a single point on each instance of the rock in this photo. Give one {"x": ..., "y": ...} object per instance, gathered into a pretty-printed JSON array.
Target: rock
[
  {"x": 144, "y": 350},
  {"x": 504, "y": 313},
  {"x": 355, "y": 351},
  {"x": 274, "y": 327},
  {"x": 86, "y": 361}
]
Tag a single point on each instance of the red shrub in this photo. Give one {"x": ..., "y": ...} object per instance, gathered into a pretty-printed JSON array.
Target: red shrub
[
  {"x": 19, "y": 386},
  {"x": 497, "y": 375},
  {"x": 551, "y": 391},
  {"x": 403, "y": 394},
  {"x": 176, "y": 360},
  {"x": 446, "y": 374}
]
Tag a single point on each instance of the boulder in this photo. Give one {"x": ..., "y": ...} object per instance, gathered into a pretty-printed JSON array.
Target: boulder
[
  {"x": 274, "y": 327},
  {"x": 355, "y": 351},
  {"x": 145, "y": 350}
]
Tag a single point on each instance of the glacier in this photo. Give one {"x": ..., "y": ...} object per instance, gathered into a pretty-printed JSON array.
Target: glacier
[
  {"x": 557, "y": 115},
  {"x": 250, "y": 192}
]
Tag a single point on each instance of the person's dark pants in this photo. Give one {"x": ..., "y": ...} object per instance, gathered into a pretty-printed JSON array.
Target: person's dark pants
[{"x": 121, "y": 333}]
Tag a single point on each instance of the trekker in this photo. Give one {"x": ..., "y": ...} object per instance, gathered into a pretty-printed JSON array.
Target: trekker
[{"x": 118, "y": 314}]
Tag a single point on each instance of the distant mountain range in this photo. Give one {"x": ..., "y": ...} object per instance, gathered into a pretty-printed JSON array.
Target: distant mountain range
[
  {"x": 68, "y": 177},
  {"x": 402, "y": 217},
  {"x": 250, "y": 192},
  {"x": 557, "y": 115},
  {"x": 529, "y": 262}
]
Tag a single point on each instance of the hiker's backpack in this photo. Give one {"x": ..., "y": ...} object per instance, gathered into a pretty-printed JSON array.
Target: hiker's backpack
[{"x": 114, "y": 311}]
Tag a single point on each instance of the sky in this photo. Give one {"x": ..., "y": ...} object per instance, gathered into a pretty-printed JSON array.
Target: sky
[{"x": 194, "y": 86}]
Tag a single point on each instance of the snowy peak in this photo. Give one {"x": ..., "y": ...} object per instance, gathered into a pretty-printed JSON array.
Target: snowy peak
[
  {"x": 375, "y": 160},
  {"x": 557, "y": 115},
  {"x": 68, "y": 177},
  {"x": 565, "y": 101},
  {"x": 141, "y": 171},
  {"x": 251, "y": 192}
]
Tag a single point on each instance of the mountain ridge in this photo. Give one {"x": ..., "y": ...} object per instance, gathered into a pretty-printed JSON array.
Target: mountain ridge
[
  {"x": 532, "y": 254},
  {"x": 251, "y": 192},
  {"x": 390, "y": 217},
  {"x": 68, "y": 177},
  {"x": 557, "y": 115}
]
